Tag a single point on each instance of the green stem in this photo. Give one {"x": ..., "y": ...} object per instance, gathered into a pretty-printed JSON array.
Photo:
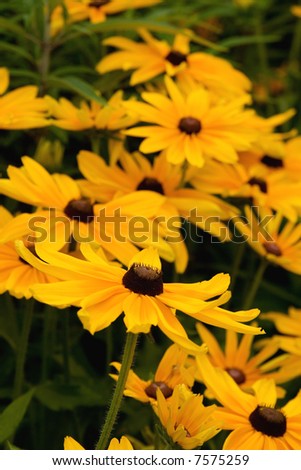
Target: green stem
[
  {"x": 127, "y": 360},
  {"x": 256, "y": 283},
  {"x": 22, "y": 348},
  {"x": 236, "y": 264},
  {"x": 46, "y": 47},
  {"x": 294, "y": 54}
]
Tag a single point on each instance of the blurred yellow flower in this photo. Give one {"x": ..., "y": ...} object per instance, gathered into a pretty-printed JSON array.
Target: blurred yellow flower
[
  {"x": 115, "y": 444},
  {"x": 21, "y": 108},
  {"x": 185, "y": 418}
]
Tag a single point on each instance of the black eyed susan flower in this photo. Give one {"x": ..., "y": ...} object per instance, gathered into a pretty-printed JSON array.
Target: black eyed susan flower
[
  {"x": 243, "y": 365},
  {"x": 186, "y": 420},
  {"x": 255, "y": 420},
  {"x": 16, "y": 275},
  {"x": 289, "y": 325},
  {"x": 96, "y": 11},
  {"x": 104, "y": 292},
  {"x": 115, "y": 444},
  {"x": 193, "y": 127},
  {"x": 63, "y": 212},
  {"x": 273, "y": 237},
  {"x": 135, "y": 173},
  {"x": 173, "y": 369},
  {"x": 21, "y": 108},
  {"x": 153, "y": 57}
]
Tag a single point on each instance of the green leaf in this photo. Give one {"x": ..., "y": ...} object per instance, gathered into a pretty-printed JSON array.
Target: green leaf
[
  {"x": 8, "y": 25},
  {"x": 132, "y": 25},
  {"x": 13, "y": 415},
  {"x": 78, "y": 86},
  {"x": 10, "y": 446},
  {"x": 246, "y": 40},
  {"x": 16, "y": 50}
]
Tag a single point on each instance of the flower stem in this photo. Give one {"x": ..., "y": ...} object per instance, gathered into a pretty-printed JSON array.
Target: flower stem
[
  {"x": 255, "y": 284},
  {"x": 127, "y": 360},
  {"x": 22, "y": 348}
]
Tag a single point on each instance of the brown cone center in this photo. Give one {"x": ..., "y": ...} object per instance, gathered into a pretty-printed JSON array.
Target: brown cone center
[
  {"x": 144, "y": 280},
  {"x": 268, "y": 420},
  {"x": 272, "y": 162},
  {"x": 272, "y": 248},
  {"x": 175, "y": 57},
  {"x": 98, "y": 3},
  {"x": 237, "y": 375},
  {"x": 150, "y": 184},
  {"x": 260, "y": 183},
  {"x": 190, "y": 125},
  {"x": 80, "y": 209},
  {"x": 151, "y": 390}
]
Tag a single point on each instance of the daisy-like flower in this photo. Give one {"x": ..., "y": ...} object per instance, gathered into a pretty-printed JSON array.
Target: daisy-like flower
[
  {"x": 16, "y": 275},
  {"x": 186, "y": 420},
  {"x": 296, "y": 10},
  {"x": 104, "y": 292},
  {"x": 111, "y": 117},
  {"x": 272, "y": 237},
  {"x": 255, "y": 420},
  {"x": 289, "y": 325},
  {"x": 64, "y": 212},
  {"x": 96, "y": 11},
  {"x": 173, "y": 369},
  {"x": 21, "y": 108},
  {"x": 268, "y": 187},
  {"x": 243, "y": 366},
  {"x": 115, "y": 444},
  {"x": 135, "y": 173},
  {"x": 154, "y": 57},
  {"x": 192, "y": 127}
]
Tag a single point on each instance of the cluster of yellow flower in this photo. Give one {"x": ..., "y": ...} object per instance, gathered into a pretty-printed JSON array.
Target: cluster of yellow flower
[{"x": 96, "y": 242}]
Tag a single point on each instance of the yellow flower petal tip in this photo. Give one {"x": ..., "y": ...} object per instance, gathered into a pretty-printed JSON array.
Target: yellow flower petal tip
[{"x": 147, "y": 257}]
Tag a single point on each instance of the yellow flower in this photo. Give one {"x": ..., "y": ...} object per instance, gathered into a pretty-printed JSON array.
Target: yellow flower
[
  {"x": 192, "y": 127},
  {"x": 20, "y": 108},
  {"x": 267, "y": 187},
  {"x": 115, "y": 444},
  {"x": 289, "y": 325},
  {"x": 112, "y": 117},
  {"x": 242, "y": 365},
  {"x": 255, "y": 420},
  {"x": 296, "y": 10},
  {"x": 96, "y": 11},
  {"x": 104, "y": 292},
  {"x": 173, "y": 369},
  {"x": 186, "y": 420},
  {"x": 154, "y": 57},
  {"x": 16, "y": 275},
  {"x": 272, "y": 237},
  {"x": 135, "y": 173},
  {"x": 66, "y": 212}
]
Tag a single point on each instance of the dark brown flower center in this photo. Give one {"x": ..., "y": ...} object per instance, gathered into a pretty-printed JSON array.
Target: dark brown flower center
[
  {"x": 175, "y": 57},
  {"x": 268, "y": 420},
  {"x": 143, "y": 280},
  {"x": 190, "y": 125},
  {"x": 259, "y": 182},
  {"x": 272, "y": 162},
  {"x": 150, "y": 184},
  {"x": 80, "y": 209},
  {"x": 237, "y": 375},
  {"x": 151, "y": 390},
  {"x": 272, "y": 248},
  {"x": 98, "y": 3}
]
